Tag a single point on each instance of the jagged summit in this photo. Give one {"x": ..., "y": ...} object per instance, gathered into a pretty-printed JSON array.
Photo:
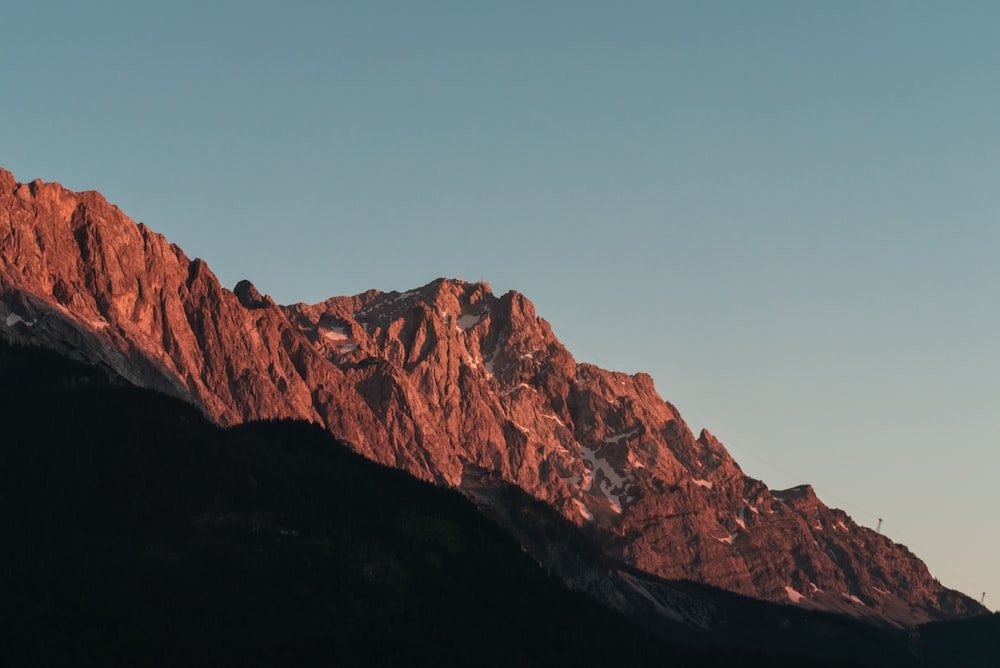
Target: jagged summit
[
  {"x": 451, "y": 383},
  {"x": 451, "y": 297},
  {"x": 7, "y": 182},
  {"x": 250, "y": 297}
]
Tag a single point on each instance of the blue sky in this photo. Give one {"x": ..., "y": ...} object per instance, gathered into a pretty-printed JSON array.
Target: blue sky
[{"x": 788, "y": 213}]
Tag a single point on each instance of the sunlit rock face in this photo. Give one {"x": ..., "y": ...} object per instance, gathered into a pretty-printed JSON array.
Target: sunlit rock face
[{"x": 451, "y": 383}]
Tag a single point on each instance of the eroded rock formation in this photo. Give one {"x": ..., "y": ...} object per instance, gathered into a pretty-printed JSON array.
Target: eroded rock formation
[{"x": 453, "y": 384}]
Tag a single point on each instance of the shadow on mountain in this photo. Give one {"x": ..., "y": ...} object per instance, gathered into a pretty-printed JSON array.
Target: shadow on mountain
[
  {"x": 971, "y": 642},
  {"x": 135, "y": 532}
]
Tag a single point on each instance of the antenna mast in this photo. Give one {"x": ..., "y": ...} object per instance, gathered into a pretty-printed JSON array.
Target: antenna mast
[{"x": 878, "y": 529}]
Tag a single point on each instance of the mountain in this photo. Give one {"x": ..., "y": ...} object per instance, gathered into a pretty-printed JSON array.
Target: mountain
[
  {"x": 454, "y": 385},
  {"x": 136, "y": 532}
]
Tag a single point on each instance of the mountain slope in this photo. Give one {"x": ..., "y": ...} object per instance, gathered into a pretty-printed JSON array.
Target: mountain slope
[
  {"x": 138, "y": 533},
  {"x": 450, "y": 383}
]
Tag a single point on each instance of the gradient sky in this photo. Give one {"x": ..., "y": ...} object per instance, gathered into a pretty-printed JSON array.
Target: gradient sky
[{"x": 788, "y": 213}]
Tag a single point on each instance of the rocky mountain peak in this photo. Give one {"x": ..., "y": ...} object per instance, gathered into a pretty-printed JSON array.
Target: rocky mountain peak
[
  {"x": 450, "y": 383},
  {"x": 250, "y": 297},
  {"x": 7, "y": 182},
  {"x": 800, "y": 497}
]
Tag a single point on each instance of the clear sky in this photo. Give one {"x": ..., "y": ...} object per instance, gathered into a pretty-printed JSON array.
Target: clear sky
[{"x": 788, "y": 213}]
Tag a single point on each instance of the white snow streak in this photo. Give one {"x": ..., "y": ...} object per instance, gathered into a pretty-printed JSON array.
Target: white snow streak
[
  {"x": 793, "y": 595},
  {"x": 554, "y": 417},
  {"x": 521, "y": 427},
  {"x": 512, "y": 390},
  {"x": 702, "y": 483}
]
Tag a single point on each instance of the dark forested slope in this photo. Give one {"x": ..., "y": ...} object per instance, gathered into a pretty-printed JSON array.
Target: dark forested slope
[{"x": 136, "y": 532}]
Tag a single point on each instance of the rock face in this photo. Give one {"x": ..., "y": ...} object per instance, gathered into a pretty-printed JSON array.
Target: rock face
[{"x": 452, "y": 384}]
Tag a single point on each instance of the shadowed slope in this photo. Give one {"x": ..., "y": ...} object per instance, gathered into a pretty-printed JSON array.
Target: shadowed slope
[{"x": 137, "y": 533}]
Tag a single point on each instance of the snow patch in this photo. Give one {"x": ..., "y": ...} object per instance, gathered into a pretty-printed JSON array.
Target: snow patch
[
  {"x": 13, "y": 319},
  {"x": 335, "y": 334},
  {"x": 739, "y": 518},
  {"x": 587, "y": 515},
  {"x": 590, "y": 455},
  {"x": 490, "y": 360},
  {"x": 793, "y": 595},
  {"x": 400, "y": 297},
  {"x": 612, "y": 484},
  {"x": 618, "y": 437},
  {"x": 467, "y": 320},
  {"x": 383, "y": 302},
  {"x": 728, "y": 540},
  {"x": 702, "y": 483}
]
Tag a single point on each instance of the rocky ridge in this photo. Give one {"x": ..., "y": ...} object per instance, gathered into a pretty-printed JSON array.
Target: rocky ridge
[{"x": 453, "y": 384}]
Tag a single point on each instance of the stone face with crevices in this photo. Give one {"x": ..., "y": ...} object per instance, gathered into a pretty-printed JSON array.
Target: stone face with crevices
[{"x": 449, "y": 382}]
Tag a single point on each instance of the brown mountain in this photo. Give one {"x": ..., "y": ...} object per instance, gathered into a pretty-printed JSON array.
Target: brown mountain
[{"x": 454, "y": 385}]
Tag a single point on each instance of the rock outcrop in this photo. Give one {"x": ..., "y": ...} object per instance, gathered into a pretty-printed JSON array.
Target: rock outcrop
[{"x": 453, "y": 384}]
